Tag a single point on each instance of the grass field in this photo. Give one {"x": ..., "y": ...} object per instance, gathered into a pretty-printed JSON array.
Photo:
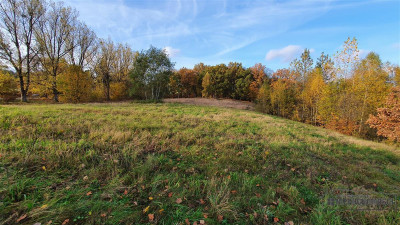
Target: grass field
[{"x": 133, "y": 163}]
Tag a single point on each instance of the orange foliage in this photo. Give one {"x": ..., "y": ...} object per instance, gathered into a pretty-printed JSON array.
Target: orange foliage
[{"x": 387, "y": 122}]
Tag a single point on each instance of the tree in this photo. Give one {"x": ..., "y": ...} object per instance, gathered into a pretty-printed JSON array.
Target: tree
[
  {"x": 83, "y": 44},
  {"x": 242, "y": 85},
  {"x": 312, "y": 93},
  {"x": 303, "y": 66},
  {"x": 387, "y": 121},
  {"x": 53, "y": 35},
  {"x": 123, "y": 64},
  {"x": 264, "y": 98},
  {"x": 75, "y": 84},
  {"x": 186, "y": 81},
  {"x": 326, "y": 64},
  {"x": 396, "y": 73},
  {"x": 206, "y": 84},
  {"x": 201, "y": 70},
  {"x": 371, "y": 87},
  {"x": 105, "y": 65},
  {"x": 8, "y": 86},
  {"x": 18, "y": 20},
  {"x": 283, "y": 98},
  {"x": 347, "y": 58},
  {"x": 150, "y": 75},
  {"x": 259, "y": 75}
]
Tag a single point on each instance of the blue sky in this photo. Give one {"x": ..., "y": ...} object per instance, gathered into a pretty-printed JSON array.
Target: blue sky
[{"x": 268, "y": 32}]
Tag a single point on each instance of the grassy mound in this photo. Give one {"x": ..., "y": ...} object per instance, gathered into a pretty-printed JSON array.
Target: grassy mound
[{"x": 136, "y": 163}]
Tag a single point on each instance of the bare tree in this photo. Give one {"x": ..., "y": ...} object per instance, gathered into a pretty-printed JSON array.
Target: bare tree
[
  {"x": 84, "y": 44},
  {"x": 105, "y": 65},
  {"x": 53, "y": 34},
  {"x": 18, "y": 20},
  {"x": 125, "y": 57}
]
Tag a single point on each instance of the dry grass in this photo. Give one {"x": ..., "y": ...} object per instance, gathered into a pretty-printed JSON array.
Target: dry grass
[{"x": 225, "y": 103}]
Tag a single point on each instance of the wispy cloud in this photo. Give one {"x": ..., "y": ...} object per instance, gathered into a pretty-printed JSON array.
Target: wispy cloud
[
  {"x": 212, "y": 30},
  {"x": 285, "y": 54}
]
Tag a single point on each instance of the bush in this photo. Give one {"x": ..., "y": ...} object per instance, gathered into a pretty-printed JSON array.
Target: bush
[{"x": 8, "y": 87}]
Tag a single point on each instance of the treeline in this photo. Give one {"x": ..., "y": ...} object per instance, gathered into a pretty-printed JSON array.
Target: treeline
[
  {"x": 47, "y": 53},
  {"x": 343, "y": 93}
]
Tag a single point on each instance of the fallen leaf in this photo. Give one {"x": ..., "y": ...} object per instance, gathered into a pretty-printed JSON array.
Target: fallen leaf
[
  {"x": 85, "y": 178},
  {"x": 258, "y": 195},
  {"x": 195, "y": 223},
  {"x": 103, "y": 215},
  {"x": 276, "y": 219},
  {"x": 302, "y": 201},
  {"x": 255, "y": 214},
  {"x": 151, "y": 217},
  {"x": 65, "y": 222},
  {"x": 170, "y": 195},
  {"x": 205, "y": 215},
  {"x": 44, "y": 168},
  {"x": 43, "y": 206},
  {"x": 179, "y": 200},
  {"x": 126, "y": 192},
  {"x": 150, "y": 198},
  {"x": 50, "y": 222},
  {"x": 266, "y": 217},
  {"x": 37, "y": 224},
  {"x": 233, "y": 191},
  {"x": 187, "y": 221},
  {"x": 89, "y": 193},
  {"x": 146, "y": 209},
  {"x": 292, "y": 169},
  {"x": 289, "y": 223},
  {"x": 202, "y": 201},
  {"x": 220, "y": 218},
  {"x": 161, "y": 210},
  {"x": 21, "y": 218},
  {"x": 202, "y": 222}
]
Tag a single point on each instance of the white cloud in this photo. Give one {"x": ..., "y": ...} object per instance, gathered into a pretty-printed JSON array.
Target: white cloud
[
  {"x": 171, "y": 52},
  {"x": 285, "y": 54},
  {"x": 396, "y": 45}
]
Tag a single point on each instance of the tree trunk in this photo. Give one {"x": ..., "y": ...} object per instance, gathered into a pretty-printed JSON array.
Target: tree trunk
[
  {"x": 23, "y": 96},
  {"x": 55, "y": 93}
]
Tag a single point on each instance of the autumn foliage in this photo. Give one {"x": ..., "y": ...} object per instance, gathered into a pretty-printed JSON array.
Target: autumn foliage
[
  {"x": 75, "y": 85},
  {"x": 387, "y": 121},
  {"x": 8, "y": 87}
]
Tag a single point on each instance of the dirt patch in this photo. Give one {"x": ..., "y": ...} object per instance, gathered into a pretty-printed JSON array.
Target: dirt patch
[{"x": 225, "y": 103}]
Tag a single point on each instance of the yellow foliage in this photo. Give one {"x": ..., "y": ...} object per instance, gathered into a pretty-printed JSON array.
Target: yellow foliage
[
  {"x": 8, "y": 87},
  {"x": 118, "y": 91},
  {"x": 75, "y": 85},
  {"x": 41, "y": 84}
]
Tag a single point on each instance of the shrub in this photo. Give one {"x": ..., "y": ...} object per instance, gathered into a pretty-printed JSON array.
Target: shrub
[{"x": 8, "y": 87}]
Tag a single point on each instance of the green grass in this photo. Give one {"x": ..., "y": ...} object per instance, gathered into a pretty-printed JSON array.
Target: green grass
[{"x": 241, "y": 165}]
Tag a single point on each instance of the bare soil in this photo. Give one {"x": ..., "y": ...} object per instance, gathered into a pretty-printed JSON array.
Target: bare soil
[{"x": 225, "y": 103}]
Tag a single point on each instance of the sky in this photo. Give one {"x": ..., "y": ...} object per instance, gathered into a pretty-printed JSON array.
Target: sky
[{"x": 271, "y": 32}]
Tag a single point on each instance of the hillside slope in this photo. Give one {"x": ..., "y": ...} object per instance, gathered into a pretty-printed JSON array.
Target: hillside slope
[{"x": 124, "y": 163}]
